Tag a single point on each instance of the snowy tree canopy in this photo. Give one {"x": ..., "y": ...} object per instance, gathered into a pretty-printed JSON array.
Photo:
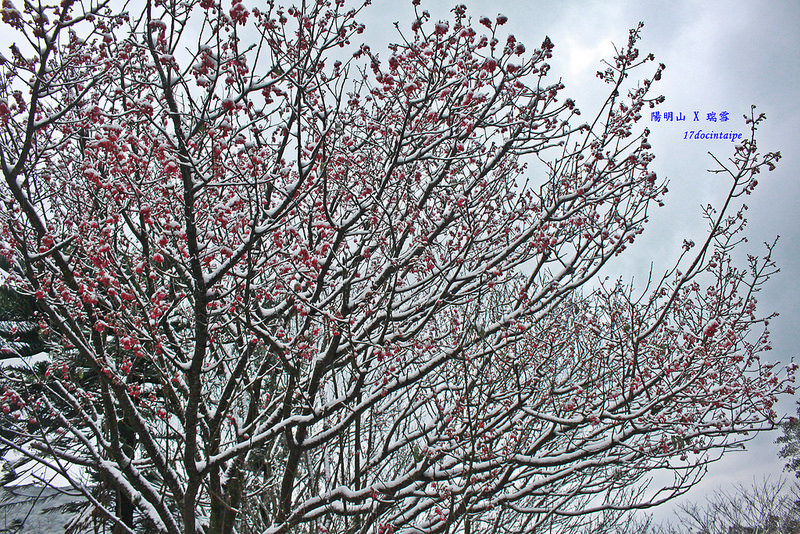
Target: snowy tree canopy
[{"x": 291, "y": 285}]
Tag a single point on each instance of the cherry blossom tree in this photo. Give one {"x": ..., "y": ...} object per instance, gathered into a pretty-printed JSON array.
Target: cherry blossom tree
[{"x": 291, "y": 284}]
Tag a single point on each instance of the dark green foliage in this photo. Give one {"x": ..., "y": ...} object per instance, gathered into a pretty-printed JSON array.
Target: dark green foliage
[
  {"x": 19, "y": 329},
  {"x": 791, "y": 443}
]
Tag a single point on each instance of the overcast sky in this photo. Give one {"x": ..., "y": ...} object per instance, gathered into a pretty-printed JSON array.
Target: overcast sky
[{"x": 720, "y": 56}]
